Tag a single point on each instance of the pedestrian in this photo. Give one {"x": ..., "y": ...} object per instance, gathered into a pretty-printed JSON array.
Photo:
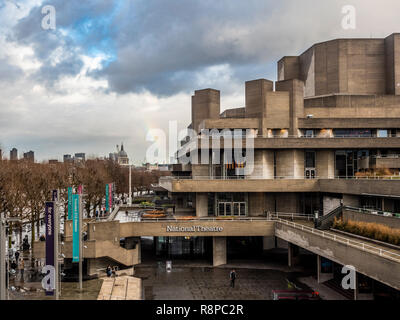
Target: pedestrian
[
  {"x": 109, "y": 271},
  {"x": 22, "y": 268},
  {"x": 232, "y": 276},
  {"x": 16, "y": 255}
]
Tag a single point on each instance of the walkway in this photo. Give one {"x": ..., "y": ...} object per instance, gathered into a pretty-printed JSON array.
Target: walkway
[{"x": 121, "y": 288}]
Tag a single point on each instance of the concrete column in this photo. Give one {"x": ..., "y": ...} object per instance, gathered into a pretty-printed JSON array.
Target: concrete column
[
  {"x": 268, "y": 243},
  {"x": 293, "y": 254},
  {"x": 290, "y": 163},
  {"x": 318, "y": 268},
  {"x": 325, "y": 164},
  {"x": 356, "y": 287},
  {"x": 290, "y": 255},
  {"x": 219, "y": 251},
  {"x": 263, "y": 164},
  {"x": 201, "y": 204}
]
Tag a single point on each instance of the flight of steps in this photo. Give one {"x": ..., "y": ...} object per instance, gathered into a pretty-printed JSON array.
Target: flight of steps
[{"x": 121, "y": 288}]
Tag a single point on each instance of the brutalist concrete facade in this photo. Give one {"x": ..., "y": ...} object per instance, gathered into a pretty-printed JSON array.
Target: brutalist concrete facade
[{"x": 333, "y": 115}]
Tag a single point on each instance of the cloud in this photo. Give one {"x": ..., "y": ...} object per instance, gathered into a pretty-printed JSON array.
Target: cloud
[{"x": 114, "y": 69}]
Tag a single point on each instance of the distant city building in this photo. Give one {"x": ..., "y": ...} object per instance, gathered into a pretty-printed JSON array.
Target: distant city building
[
  {"x": 80, "y": 156},
  {"x": 29, "y": 156},
  {"x": 1, "y": 155},
  {"x": 14, "y": 154},
  {"x": 53, "y": 161},
  {"x": 67, "y": 158},
  {"x": 121, "y": 157}
]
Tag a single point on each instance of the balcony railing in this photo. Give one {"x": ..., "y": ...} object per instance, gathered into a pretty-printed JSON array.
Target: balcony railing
[{"x": 167, "y": 178}]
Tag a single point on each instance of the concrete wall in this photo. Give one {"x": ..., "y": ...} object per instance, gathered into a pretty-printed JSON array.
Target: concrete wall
[
  {"x": 201, "y": 204},
  {"x": 277, "y": 110},
  {"x": 290, "y": 163},
  {"x": 230, "y": 228},
  {"x": 325, "y": 163},
  {"x": 205, "y": 105},
  {"x": 295, "y": 88},
  {"x": 330, "y": 203},
  {"x": 219, "y": 251},
  {"x": 392, "y": 44},
  {"x": 263, "y": 164},
  {"x": 288, "y": 202},
  {"x": 255, "y": 97},
  {"x": 256, "y": 204},
  {"x": 373, "y": 218},
  {"x": 364, "y": 66}
]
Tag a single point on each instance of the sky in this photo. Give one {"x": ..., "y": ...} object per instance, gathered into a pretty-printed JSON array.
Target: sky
[{"x": 112, "y": 70}]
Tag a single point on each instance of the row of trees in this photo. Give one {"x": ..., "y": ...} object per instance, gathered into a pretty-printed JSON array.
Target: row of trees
[{"x": 26, "y": 186}]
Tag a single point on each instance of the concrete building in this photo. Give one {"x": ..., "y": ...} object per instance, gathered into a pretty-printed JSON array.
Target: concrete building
[
  {"x": 322, "y": 141},
  {"x": 14, "y": 154},
  {"x": 80, "y": 156},
  {"x": 29, "y": 156},
  {"x": 67, "y": 158},
  {"x": 121, "y": 157},
  {"x": 333, "y": 118}
]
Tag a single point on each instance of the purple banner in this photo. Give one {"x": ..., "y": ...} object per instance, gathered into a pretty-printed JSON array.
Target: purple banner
[{"x": 49, "y": 219}]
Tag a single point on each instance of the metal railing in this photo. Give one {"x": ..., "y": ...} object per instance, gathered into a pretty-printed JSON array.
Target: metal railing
[
  {"x": 350, "y": 243},
  {"x": 386, "y": 177},
  {"x": 212, "y": 219},
  {"x": 373, "y": 211}
]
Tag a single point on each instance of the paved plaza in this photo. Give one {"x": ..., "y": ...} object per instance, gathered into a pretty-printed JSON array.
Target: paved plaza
[{"x": 196, "y": 283}]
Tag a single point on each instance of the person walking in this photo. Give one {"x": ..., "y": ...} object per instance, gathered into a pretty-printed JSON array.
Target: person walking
[
  {"x": 109, "y": 271},
  {"x": 232, "y": 276},
  {"x": 21, "y": 267}
]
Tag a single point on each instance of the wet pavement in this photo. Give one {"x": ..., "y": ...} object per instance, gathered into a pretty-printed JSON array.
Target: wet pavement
[{"x": 203, "y": 283}]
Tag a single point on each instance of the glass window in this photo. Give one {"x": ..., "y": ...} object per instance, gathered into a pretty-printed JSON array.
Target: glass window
[
  {"x": 310, "y": 159},
  {"x": 382, "y": 133}
]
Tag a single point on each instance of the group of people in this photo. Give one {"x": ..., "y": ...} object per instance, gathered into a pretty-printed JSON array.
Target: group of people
[{"x": 18, "y": 265}]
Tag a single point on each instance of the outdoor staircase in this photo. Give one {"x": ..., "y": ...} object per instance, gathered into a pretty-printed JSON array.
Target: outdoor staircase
[
  {"x": 121, "y": 288},
  {"x": 325, "y": 222}
]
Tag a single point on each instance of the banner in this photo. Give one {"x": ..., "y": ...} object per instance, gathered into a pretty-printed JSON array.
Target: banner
[
  {"x": 75, "y": 228},
  {"x": 110, "y": 188},
  {"x": 69, "y": 203},
  {"x": 49, "y": 219},
  {"x": 107, "y": 197}
]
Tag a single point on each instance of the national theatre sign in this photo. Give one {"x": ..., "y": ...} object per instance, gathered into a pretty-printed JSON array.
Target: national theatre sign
[{"x": 194, "y": 229}]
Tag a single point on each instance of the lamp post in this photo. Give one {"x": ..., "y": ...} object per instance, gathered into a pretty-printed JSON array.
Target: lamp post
[
  {"x": 80, "y": 242},
  {"x": 3, "y": 268},
  {"x": 130, "y": 184}
]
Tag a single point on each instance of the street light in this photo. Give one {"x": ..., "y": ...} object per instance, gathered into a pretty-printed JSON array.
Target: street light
[{"x": 3, "y": 268}]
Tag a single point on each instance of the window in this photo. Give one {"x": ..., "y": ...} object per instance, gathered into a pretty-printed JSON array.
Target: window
[{"x": 382, "y": 133}]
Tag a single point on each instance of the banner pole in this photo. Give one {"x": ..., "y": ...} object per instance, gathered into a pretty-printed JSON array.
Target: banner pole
[
  {"x": 80, "y": 241},
  {"x": 3, "y": 284}
]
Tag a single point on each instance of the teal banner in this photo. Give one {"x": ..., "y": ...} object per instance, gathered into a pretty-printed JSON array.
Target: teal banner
[
  {"x": 69, "y": 203},
  {"x": 107, "y": 197},
  {"x": 75, "y": 228}
]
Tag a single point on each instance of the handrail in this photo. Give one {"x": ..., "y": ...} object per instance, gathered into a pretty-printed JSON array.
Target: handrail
[
  {"x": 351, "y": 243},
  {"x": 386, "y": 177}
]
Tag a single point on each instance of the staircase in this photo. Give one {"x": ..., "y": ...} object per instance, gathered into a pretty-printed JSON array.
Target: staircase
[
  {"x": 121, "y": 288},
  {"x": 325, "y": 222}
]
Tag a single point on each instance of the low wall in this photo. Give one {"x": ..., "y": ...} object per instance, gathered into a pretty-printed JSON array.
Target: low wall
[{"x": 374, "y": 218}]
